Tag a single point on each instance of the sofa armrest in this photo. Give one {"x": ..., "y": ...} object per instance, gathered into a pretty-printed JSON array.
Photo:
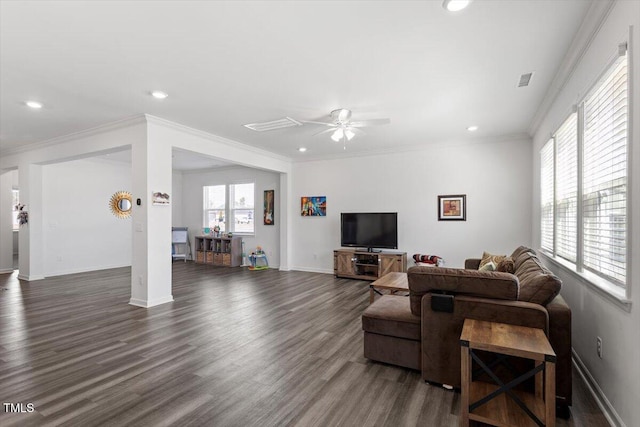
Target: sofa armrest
[
  {"x": 560, "y": 339},
  {"x": 472, "y": 263},
  {"x": 440, "y": 332},
  {"x": 456, "y": 281}
]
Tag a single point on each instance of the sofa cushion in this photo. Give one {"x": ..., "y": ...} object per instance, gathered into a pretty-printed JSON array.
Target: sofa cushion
[
  {"x": 521, "y": 249},
  {"x": 487, "y": 258},
  {"x": 488, "y": 284},
  {"x": 537, "y": 284},
  {"x": 390, "y": 315},
  {"x": 490, "y": 266},
  {"x": 506, "y": 266}
]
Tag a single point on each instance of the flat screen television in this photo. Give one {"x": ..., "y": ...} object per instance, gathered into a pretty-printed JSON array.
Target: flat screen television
[{"x": 369, "y": 230}]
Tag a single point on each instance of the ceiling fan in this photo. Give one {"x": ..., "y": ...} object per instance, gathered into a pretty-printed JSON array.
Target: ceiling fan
[{"x": 342, "y": 128}]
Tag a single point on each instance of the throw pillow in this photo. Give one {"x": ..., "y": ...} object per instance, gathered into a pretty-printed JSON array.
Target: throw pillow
[
  {"x": 506, "y": 266},
  {"x": 487, "y": 257},
  {"x": 490, "y": 266}
]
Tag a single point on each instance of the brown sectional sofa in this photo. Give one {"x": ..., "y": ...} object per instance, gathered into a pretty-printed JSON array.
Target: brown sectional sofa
[{"x": 410, "y": 332}]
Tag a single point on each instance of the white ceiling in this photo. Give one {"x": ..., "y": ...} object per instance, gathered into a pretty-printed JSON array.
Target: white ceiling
[{"x": 225, "y": 64}]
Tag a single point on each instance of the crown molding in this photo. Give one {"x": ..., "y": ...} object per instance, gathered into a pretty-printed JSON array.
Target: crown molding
[
  {"x": 590, "y": 27},
  {"x": 512, "y": 138},
  {"x": 107, "y": 127},
  {"x": 214, "y": 138}
]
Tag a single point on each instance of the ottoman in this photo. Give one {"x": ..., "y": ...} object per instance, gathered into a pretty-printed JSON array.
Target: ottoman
[{"x": 392, "y": 332}]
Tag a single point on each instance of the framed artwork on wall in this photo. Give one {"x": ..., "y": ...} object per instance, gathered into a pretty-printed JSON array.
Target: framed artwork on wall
[
  {"x": 268, "y": 217},
  {"x": 313, "y": 206},
  {"x": 452, "y": 208}
]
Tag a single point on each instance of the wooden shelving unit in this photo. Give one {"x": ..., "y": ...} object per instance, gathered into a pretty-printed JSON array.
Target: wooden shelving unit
[
  {"x": 222, "y": 251},
  {"x": 365, "y": 265}
]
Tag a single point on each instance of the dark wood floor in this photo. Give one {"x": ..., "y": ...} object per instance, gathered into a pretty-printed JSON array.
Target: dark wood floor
[{"x": 235, "y": 348}]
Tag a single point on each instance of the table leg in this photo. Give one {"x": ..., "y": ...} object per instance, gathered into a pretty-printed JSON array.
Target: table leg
[
  {"x": 550, "y": 394},
  {"x": 465, "y": 371}
]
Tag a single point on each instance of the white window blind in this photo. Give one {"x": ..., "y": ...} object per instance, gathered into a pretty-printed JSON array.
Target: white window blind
[
  {"x": 241, "y": 200},
  {"x": 605, "y": 175},
  {"x": 566, "y": 188},
  {"x": 546, "y": 196},
  {"x": 214, "y": 206}
]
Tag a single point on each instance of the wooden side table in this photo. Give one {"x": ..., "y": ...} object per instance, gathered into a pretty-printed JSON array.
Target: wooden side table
[
  {"x": 499, "y": 404},
  {"x": 393, "y": 282}
]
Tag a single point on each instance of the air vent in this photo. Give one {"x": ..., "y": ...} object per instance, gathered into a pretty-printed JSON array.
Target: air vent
[
  {"x": 287, "y": 122},
  {"x": 525, "y": 79}
]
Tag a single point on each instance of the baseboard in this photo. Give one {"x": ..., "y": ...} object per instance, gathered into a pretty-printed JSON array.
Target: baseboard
[
  {"x": 312, "y": 270},
  {"x": 148, "y": 304},
  {"x": 607, "y": 409},
  {"x": 6, "y": 270},
  {"x": 29, "y": 278},
  {"x": 86, "y": 269}
]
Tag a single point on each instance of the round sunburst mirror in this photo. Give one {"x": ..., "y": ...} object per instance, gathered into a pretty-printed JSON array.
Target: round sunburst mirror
[{"x": 120, "y": 204}]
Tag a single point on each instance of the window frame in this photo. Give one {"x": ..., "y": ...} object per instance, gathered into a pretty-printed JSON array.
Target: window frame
[
  {"x": 609, "y": 287},
  {"x": 229, "y": 209}
]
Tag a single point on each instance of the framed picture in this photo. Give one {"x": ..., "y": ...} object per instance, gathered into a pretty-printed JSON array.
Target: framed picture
[
  {"x": 313, "y": 206},
  {"x": 268, "y": 217},
  {"x": 160, "y": 198},
  {"x": 452, "y": 208}
]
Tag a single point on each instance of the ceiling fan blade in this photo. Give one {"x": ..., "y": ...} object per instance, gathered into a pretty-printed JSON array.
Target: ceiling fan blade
[
  {"x": 319, "y": 123},
  {"x": 372, "y": 122},
  {"x": 333, "y": 129}
]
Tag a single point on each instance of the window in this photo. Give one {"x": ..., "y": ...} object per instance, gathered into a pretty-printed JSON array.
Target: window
[
  {"x": 583, "y": 183},
  {"x": 605, "y": 175},
  {"x": 241, "y": 197},
  {"x": 214, "y": 206},
  {"x": 546, "y": 196},
  {"x": 233, "y": 201},
  {"x": 14, "y": 208},
  {"x": 566, "y": 192}
]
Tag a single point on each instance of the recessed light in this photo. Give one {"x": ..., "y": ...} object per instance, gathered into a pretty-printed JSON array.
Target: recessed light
[
  {"x": 455, "y": 5},
  {"x": 159, "y": 94},
  {"x": 34, "y": 104},
  {"x": 302, "y": 149},
  {"x": 472, "y": 128}
]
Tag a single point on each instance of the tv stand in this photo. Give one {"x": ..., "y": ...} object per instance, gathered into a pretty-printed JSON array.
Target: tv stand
[{"x": 364, "y": 264}]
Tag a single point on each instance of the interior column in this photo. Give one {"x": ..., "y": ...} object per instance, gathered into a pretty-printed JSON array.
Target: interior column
[
  {"x": 6, "y": 224},
  {"x": 151, "y": 254},
  {"x": 31, "y": 238}
]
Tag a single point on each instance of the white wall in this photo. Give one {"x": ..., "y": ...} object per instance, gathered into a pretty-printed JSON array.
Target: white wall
[
  {"x": 176, "y": 199},
  {"x": 80, "y": 232},
  {"x": 267, "y": 236},
  {"x": 495, "y": 176},
  {"x": 617, "y": 375}
]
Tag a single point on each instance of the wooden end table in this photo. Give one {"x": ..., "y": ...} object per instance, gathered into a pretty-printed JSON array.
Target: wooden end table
[
  {"x": 499, "y": 404},
  {"x": 393, "y": 282}
]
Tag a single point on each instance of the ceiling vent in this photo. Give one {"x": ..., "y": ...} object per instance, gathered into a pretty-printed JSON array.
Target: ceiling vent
[
  {"x": 525, "y": 79},
  {"x": 287, "y": 122}
]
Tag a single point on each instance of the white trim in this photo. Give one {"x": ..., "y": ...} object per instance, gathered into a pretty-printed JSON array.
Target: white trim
[
  {"x": 592, "y": 281},
  {"x": 313, "y": 270},
  {"x": 590, "y": 27},
  {"x": 445, "y": 143},
  {"x": 118, "y": 124},
  {"x": 148, "y": 304},
  {"x": 607, "y": 408},
  {"x": 213, "y": 137},
  {"x": 30, "y": 278},
  {"x": 6, "y": 270}
]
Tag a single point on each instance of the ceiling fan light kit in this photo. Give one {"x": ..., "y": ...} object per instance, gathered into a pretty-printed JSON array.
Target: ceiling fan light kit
[{"x": 455, "y": 5}]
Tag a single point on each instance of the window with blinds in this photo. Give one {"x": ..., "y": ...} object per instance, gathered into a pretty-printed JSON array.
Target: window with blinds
[
  {"x": 605, "y": 175},
  {"x": 583, "y": 179},
  {"x": 566, "y": 188},
  {"x": 546, "y": 196}
]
